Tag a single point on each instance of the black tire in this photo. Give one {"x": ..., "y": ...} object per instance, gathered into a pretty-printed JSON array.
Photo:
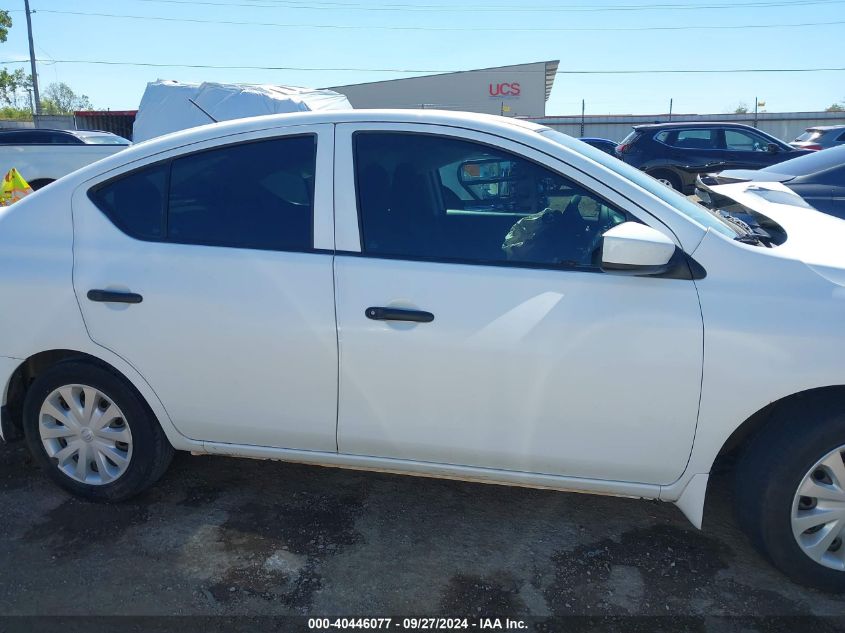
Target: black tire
[
  {"x": 151, "y": 451},
  {"x": 669, "y": 176},
  {"x": 768, "y": 474}
]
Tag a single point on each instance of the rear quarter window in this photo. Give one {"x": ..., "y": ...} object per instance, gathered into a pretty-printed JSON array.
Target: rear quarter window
[{"x": 135, "y": 202}]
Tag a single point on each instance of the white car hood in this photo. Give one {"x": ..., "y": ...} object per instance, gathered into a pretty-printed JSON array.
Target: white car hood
[{"x": 815, "y": 238}]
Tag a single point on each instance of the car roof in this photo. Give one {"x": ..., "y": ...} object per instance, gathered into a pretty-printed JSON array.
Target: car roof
[
  {"x": 481, "y": 122},
  {"x": 34, "y": 129},
  {"x": 76, "y": 133},
  {"x": 809, "y": 165},
  {"x": 492, "y": 124},
  {"x": 825, "y": 128},
  {"x": 688, "y": 124}
]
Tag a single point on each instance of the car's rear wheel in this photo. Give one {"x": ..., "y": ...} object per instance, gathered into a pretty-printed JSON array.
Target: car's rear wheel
[
  {"x": 93, "y": 433},
  {"x": 667, "y": 177},
  {"x": 791, "y": 493}
]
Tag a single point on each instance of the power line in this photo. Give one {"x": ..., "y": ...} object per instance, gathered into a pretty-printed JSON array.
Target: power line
[
  {"x": 445, "y": 28},
  {"x": 661, "y": 71},
  {"x": 335, "y": 6}
]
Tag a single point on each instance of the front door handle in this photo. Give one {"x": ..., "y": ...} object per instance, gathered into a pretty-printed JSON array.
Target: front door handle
[
  {"x": 114, "y": 296},
  {"x": 398, "y": 314}
]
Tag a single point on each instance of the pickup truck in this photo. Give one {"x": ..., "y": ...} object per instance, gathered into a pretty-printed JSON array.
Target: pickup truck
[{"x": 42, "y": 156}]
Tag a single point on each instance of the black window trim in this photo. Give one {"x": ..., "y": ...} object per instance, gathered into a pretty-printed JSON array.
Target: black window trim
[
  {"x": 168, "y": 162},
  {"x": 563, "y": 267}
]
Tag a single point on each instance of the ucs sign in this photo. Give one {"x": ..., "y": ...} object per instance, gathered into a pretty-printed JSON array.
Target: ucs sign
[{"x": 504, "y": 90}]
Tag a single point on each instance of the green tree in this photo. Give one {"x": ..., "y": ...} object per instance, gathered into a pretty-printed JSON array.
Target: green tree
[
  {"x": 741, "y": 108},
  {"x": 14, "y": 88},
  {"x": 5, "y": 24},
  {"x": 835, "y": 107},
  {"x": 59, "y": 98}
]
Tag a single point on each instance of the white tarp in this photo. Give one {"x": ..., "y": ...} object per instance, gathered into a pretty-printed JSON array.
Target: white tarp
[{"x": 166, "y": 105}]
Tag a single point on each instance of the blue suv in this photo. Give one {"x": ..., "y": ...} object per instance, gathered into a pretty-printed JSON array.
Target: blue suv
[{"x": 675, "y": 153}]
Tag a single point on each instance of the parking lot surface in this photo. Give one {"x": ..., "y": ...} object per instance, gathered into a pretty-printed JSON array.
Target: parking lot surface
[{"x": 220, "y": 536}]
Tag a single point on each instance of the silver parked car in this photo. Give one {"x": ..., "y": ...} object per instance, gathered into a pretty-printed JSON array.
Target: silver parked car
[{"x": 820, "y": 137}]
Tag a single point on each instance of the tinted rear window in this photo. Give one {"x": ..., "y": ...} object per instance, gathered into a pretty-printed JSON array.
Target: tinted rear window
[
  {"x": 255, "y": 195},
  {"x": 251, "y": 195}
]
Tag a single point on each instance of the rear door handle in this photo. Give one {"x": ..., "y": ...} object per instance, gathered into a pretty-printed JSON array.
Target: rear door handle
[
  {"x": 398, "y": 314},
  {"x": 114, "y": 296}
]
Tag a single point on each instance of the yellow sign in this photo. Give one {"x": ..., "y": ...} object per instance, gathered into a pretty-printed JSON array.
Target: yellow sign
[{"x": 14, "y": 188}]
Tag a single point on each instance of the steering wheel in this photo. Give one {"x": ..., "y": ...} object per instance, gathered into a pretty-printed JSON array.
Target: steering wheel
[{"x": 605, "y": 222}]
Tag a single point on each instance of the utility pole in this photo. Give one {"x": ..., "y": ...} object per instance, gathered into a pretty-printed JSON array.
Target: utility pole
[
  {"x": 583, "y": 108},
  {"x": 32, "y": 58},
  {"x": 670, "y": 108}
]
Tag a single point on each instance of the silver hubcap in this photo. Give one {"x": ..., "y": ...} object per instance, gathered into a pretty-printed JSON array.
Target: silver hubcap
[
  {"x": 85, "y": 434},
  {"x": 666, "y": 182},
  {"x": 818, "y": 511}
]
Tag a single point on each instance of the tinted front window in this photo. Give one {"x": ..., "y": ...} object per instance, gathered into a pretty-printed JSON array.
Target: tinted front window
[
  {"x": 742, "y": 141},
  {"x": 256, "y": 195},
  {"x": 430, "y": 197},
  {"x": 135, "y": 203},
  {"x": 250, "y": 195}
]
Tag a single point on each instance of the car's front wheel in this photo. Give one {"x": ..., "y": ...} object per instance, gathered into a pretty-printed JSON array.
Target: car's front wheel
[
  {"x": 791, "y": 492},
  {"x": 668, "y": 178},
  {"x": 93, "y": 433}
]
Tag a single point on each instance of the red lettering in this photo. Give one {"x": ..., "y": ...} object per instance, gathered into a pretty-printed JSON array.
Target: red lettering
[{"x": 504, "y": 89}]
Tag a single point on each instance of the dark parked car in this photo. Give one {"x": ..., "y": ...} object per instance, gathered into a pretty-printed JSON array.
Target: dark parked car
[
  {"x": 42, "y": 136},
  {"x": 605, "y": 145},
  {"x": 819, "y": 178},
  {"x": 821, "y": 137},
  {"x": 675, "y": 153}
]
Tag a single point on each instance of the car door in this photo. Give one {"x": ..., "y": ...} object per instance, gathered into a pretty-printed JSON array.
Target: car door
[
  {"x": 228, "y": 247},
  {"x": 696, "y": 150},
  {"x": 748, "y": 150},
  {"x": 475, "y": 328}
]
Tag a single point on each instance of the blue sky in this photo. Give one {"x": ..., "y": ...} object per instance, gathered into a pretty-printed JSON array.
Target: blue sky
[{"x": 511, "y": 37}]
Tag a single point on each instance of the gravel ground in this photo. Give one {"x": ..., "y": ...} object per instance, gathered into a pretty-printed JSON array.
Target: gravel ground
[{"x": 219, "y": 536}]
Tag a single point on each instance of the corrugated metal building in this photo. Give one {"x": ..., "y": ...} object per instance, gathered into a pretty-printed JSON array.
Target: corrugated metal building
[{"x": 519, "y": 90}]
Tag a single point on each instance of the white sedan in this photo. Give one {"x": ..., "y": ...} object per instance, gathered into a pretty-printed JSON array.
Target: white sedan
[{"x": 430, "y": 293}]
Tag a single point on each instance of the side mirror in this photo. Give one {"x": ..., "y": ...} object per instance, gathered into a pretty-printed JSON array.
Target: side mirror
[
  {"x": 636, "y": 249},
  {"x": 773, "y": 148}
]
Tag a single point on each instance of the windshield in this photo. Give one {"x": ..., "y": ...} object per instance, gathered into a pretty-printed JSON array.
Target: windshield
[
  {"x": 809, "y": 163},
  {"x": 667, "y": 194},
  {"x": 809, "y": 135},
  {"x": 102, "y": 139}
]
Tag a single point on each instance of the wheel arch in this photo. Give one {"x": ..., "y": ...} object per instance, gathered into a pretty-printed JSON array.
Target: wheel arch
[
  {"x": 696, "y": 490},
  {"x": 29, "y": 368},
  {"x": 820, "y": 396}
]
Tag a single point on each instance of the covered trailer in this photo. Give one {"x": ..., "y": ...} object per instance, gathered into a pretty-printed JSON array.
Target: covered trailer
[{"x": 170, "y": 106}]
